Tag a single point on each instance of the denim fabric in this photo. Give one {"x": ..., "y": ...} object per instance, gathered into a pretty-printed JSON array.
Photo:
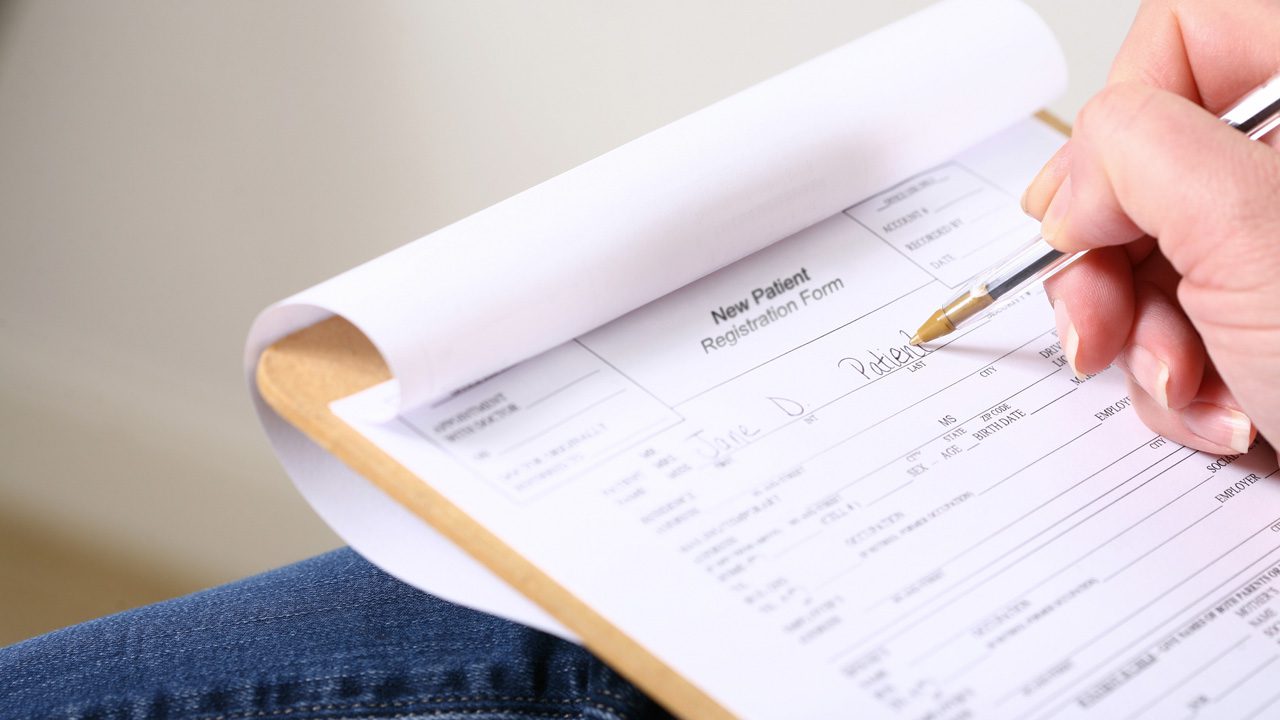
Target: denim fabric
[{"x": 331, "y": 637}]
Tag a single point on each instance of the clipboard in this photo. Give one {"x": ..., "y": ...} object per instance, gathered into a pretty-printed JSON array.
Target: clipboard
[{"x": 300, "y": 375}]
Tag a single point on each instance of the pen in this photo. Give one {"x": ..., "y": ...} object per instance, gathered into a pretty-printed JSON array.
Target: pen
[{"x": 1256, "y": 114}]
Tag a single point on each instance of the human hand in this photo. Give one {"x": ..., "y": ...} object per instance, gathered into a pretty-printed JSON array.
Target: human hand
[{"x": 1182, "y": 215}]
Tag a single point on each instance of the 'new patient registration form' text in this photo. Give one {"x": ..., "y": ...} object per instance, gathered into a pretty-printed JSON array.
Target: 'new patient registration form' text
[{"x": 759, "y": 480}]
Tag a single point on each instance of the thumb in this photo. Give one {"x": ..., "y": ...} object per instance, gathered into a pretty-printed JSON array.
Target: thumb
[{"x": 1146, "y": 161}]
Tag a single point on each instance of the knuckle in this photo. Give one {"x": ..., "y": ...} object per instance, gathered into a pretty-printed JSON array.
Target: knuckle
[
  {"x": 1249, "y": 217},
  {"x": 1111, "y": 107},
  {"x": 1249, "y": 184}
]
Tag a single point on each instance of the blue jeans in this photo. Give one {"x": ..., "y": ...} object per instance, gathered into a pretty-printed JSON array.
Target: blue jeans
[{"x": 331, "y": 637}]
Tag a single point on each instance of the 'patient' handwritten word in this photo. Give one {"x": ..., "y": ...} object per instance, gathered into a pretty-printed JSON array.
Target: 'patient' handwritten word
[{"x": 877, "y": 362}]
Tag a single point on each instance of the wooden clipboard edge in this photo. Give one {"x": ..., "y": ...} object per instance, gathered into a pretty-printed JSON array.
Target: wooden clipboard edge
[
  {"x": 301, "y": 374},
  {"x": 1054, "y": 122}
]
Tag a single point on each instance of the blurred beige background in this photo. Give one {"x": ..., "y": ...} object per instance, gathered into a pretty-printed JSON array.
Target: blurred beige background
[{"x": 168, "y": 169}]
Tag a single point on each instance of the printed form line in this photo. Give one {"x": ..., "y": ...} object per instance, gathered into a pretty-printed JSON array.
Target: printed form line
[
  {"x": 1154, "y": 628},
  {"x": 810, "y": 341},
  {"x": 944, "y": 593},
  {"x": 1105, "y": 543},
  {"x": 1175, "y": 686}
]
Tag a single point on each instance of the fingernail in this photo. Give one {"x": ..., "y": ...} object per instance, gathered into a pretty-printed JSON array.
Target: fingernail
[
  {"x": 1219, "y": 425},
  {"x": 1023, "y": 200},
  {"x": 1067, "y": 333},
  {"x": 1150, "y": 372},
  {"x": 1056, "y": 213}
]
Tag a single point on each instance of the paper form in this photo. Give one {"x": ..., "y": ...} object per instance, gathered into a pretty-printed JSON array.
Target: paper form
[
  {"x": 759, "y": 480},
  {"x": 693, "y": 196},
  {"x": 634, "y": 224}
]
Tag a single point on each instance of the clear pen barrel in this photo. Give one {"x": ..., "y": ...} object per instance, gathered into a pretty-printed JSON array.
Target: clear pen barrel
[{"x": 1037, "y": 260}]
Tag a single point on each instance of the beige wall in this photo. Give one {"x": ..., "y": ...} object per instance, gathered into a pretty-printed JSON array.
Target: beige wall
[{"x": 168, "y": 169}]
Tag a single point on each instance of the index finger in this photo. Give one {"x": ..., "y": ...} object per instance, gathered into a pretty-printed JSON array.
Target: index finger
[{"x": 1208, "y": 51}]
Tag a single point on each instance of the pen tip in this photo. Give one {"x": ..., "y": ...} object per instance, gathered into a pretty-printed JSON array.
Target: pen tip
[{"x": 933, "y": 328}]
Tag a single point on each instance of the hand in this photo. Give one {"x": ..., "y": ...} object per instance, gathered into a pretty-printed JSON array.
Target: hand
[{"x": 1181, "y": 288}]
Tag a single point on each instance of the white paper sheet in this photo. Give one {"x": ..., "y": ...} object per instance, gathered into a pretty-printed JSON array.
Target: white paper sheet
[
  {"x": 691, "y": 197},
  {"x": 760, "y": 481},
  {"x": 585, "y": 247}
]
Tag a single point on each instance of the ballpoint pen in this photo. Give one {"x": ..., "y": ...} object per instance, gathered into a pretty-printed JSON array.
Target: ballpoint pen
[{"x": 1256, "y": 114}]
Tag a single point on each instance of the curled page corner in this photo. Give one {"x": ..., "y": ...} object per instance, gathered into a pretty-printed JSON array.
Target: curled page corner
[
  {"x": 651, "y": 216},
  {"x": 347, "y": 502}
]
